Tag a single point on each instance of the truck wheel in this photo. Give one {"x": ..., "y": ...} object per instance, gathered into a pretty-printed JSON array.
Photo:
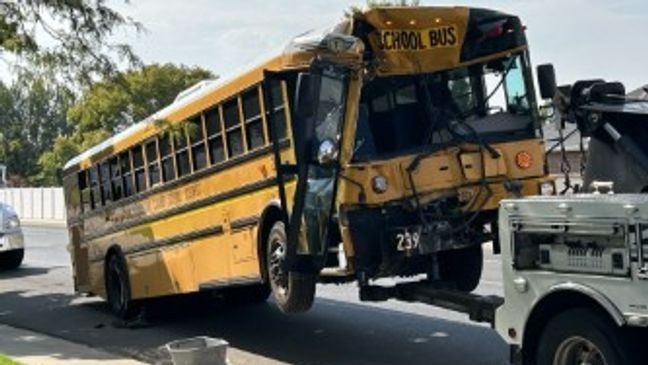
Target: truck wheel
[
  {"x": 582, "y": 336},
  {"x": 10, "y": 260},
  {"x": 463, "y": 267},
  {"x": 292, "y": 292},
  {"x": 118, "y": 290}
]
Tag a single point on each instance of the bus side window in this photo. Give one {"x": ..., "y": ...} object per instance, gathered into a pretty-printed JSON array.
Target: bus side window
[
  {"x": 138, "y": 169},
  {"x": 104, "y": 175},
  {"x": 233, "y": 132},
  {"x": 152, "y": 163},
  {"x": 278, "y": 110},
  {"x": 95, "y": 188},
  {"x": 84, "y": 190},
  {"x": 254, "y": 134},
  {"x": 166, "y": 158},
  {"x": 214, "y": 135},
  {"x": 117, "y": 187},
  {"x": 197, "y": 140},
  {"x": 127, "y": 173},
  {"x": 182, "y": 154}
]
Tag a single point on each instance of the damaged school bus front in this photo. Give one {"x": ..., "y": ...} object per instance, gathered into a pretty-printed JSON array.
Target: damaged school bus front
[{"x": 446, "y": 127}]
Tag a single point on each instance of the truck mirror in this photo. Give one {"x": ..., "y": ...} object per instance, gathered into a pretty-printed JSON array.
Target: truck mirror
[
  {"x": 547, "y": 81},
  {"x": 305, "y": 95}
]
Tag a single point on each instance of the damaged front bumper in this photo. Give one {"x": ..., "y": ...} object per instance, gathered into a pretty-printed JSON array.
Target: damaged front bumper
[{"x": 395, "y": 241}]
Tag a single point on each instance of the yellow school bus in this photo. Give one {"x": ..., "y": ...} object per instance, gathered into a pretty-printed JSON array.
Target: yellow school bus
[{"x": 379, "y": 147}]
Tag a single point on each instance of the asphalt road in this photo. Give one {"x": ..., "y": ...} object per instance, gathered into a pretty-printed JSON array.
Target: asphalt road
[{"x": 339, "y": 330}]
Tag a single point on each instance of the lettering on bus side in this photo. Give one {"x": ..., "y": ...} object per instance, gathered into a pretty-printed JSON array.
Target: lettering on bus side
[{"x": 418, "y": 40}]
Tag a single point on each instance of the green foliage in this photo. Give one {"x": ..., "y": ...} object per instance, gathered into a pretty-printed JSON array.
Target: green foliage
[
  {"x": 108, "y": 107},
  {"x": 33, "y": 117},
  {"x": 353, "y": 10},
  {"x": 43, "y": 125},
  {"x": 113, "y": 105},
  {"x": 7, "y": 361},
  {"x": 71, "y": 38}
]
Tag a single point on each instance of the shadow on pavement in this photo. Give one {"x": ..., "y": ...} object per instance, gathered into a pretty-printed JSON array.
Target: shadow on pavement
[
  {"x": 22, "y": 272},
  {"x": 332, "y": 333}
]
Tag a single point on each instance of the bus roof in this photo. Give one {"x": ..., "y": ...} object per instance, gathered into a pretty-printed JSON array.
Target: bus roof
[
  {"x": 181, "y": 102},
  {"x": 302, "y": 43}
]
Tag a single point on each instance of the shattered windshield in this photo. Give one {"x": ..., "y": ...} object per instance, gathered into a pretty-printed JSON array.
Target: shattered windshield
[{"x": 403, "y": 114}]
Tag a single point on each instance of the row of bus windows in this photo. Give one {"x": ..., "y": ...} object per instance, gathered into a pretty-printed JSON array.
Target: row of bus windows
[{"x": 220, "y": 133}]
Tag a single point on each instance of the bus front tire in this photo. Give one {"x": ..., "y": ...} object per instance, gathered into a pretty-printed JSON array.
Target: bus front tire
[
  {"x": 293, "y": 292},
  {"x": 10, "y": 260},
  {"x": 463, "y": 267},
  {"x": 118, "y": 290},
  {"x": 582, "y": 335}
]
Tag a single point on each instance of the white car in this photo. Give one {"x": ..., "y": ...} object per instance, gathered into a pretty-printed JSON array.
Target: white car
[{"x": 12, "y": 245}]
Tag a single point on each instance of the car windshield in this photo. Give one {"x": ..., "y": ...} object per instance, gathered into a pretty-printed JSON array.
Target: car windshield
[{"x": 404, "y": 114}]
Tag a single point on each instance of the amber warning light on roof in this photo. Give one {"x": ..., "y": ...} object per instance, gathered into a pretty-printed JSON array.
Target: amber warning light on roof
[{"x": 418, "y": 40}]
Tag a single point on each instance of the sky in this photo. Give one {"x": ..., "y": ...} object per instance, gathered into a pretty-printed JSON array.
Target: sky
[{"x": 582, "y": 38}]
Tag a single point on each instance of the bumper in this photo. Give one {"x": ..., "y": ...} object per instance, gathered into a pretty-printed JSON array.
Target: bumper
[
  {"x": 12, "y": 240},
  {"x": 384, "y": 244}
]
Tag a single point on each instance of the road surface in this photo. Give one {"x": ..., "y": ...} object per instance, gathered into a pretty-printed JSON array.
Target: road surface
[{"x": 339, "y": 330}]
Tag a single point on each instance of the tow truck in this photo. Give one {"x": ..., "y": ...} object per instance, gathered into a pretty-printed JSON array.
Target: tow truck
[{"x": 575, "y": 267}]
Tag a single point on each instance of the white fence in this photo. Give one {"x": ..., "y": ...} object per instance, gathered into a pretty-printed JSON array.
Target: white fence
[{"x": 36, "y": 204}]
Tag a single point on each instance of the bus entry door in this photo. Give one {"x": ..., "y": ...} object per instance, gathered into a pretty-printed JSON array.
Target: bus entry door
[{"x": 320, "y": 104}]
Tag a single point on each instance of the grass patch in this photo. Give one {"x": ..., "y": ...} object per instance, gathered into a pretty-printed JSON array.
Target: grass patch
[{"x": 7, "y": 361}]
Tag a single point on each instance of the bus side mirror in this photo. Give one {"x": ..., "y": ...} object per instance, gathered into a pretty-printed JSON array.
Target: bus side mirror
[
  {"x": 547, "y": 81},
  {"x": 305, "y": 95}
]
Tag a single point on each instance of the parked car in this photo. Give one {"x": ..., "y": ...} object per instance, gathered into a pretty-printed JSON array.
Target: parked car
[{"x": 12, "y": 246}]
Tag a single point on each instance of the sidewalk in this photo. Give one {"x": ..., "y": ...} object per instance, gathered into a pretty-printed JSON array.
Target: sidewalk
[
  {"x": 30, "y": 348},
  {"x": 42, "y": 222}
]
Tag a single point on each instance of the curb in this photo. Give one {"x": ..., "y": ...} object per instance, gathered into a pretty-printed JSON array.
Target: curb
[{"x": 42, "y": 223}]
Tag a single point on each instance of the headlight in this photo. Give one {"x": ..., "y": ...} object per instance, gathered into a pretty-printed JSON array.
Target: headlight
[
  {"x": 327, "y": 152},
  {"x": 547, "y": 188},
  {"x": 379, "y": 184},
  {"x": 12, "y": 223}
]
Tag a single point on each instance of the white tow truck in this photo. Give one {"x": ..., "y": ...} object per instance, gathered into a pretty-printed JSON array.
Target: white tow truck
[
  {"x": 575, "y": 272},
  {"x": 575, "y": 275}
]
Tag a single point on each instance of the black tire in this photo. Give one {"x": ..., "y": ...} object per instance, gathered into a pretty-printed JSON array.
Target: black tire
[
  {"x": 252, "y": 294},
  {"x": 292, "y": 292},
  {"x": 596, "y": 335},
  {"x": 118, "y": 290},
  {"x": 462, "y": 267},
  {"x": 10, "y": 260}
]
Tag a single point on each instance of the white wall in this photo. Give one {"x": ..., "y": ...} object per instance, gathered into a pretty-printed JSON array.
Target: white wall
[{"x": 36, "y": 204}]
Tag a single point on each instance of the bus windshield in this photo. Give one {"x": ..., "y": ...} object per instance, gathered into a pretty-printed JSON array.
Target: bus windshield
[{"x": 403, "y": 114}]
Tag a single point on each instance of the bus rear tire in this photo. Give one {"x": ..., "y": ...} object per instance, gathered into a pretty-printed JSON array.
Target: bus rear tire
[
  {"x": 462, "y": 267},
  {"x": 118, "y": 290},
  {"x": 582, "y": 335},
  {"x": 10, "y": 260},
  {"x": 292, "y": 292}
]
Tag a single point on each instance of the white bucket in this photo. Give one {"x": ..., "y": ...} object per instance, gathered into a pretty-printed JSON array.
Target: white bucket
[{"x": 198, "y": 351}]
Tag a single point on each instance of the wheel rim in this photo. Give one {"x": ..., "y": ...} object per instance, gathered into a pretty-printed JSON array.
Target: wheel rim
[
  {"x": 276, "y": 257},
  {"x": 578, "y": 351}
]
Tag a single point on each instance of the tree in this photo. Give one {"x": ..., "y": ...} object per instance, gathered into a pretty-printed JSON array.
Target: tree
[
  {"x": 110, "y": 106},
  {"x": 115, "y": 104},
  {"x": 33, "y": 117},
  {"x": 71, "y": 39}
]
